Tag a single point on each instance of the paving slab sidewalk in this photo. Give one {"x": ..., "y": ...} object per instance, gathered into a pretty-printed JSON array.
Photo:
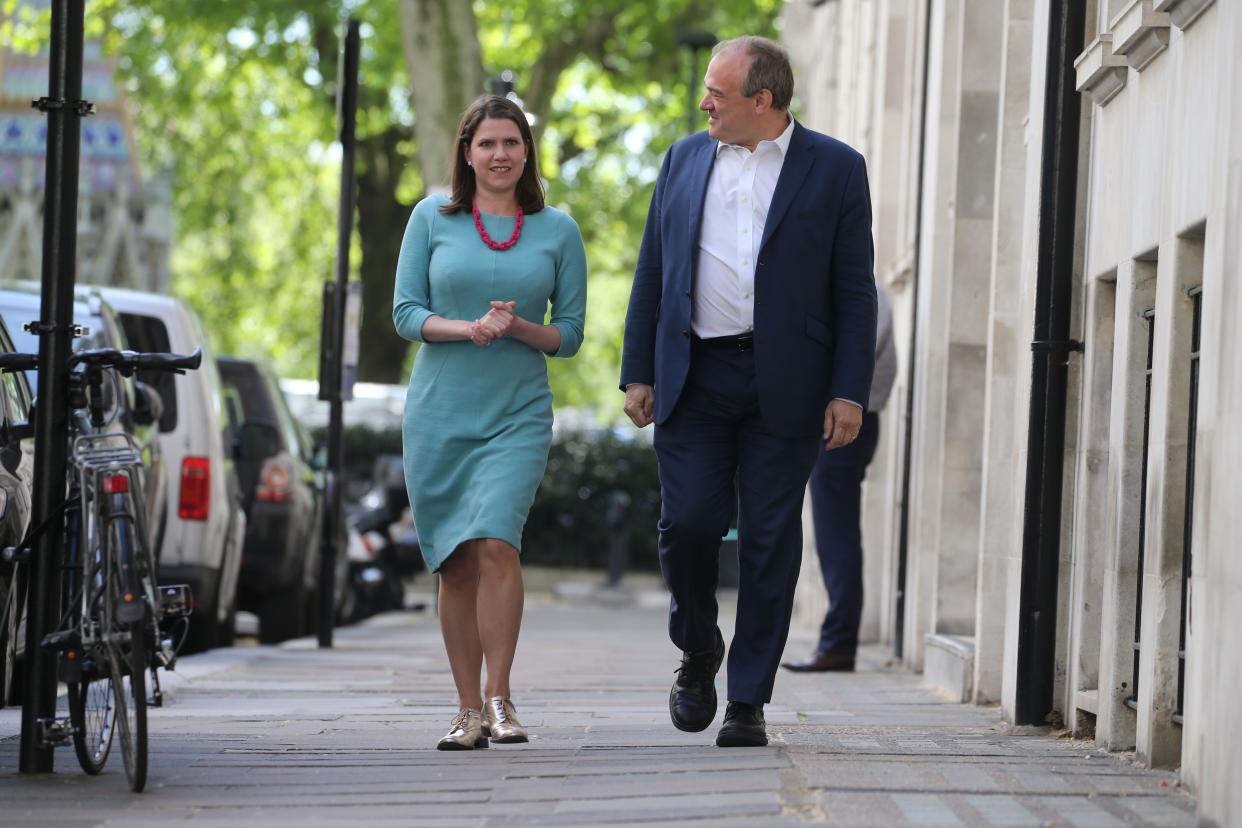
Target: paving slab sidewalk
[{"x": 296, "y": 736}]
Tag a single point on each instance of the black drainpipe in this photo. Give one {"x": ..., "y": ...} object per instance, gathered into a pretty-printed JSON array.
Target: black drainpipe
[
  {"x": 1041, "y": 529},
  {"x": 903, "y": 538}
]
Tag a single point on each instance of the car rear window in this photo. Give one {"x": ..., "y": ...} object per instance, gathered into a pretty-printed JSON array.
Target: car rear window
[
  {"x": 262, "y": 401},
  {"x": 147, "y": 333},
  {"x": 256, "y": 402}
]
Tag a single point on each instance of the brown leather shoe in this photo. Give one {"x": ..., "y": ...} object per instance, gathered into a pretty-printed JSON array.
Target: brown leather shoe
[{"x": 822, "y": 663}]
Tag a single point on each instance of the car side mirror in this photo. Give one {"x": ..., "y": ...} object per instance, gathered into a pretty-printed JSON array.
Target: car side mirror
[
  {"x": 148, "y": 404},
  {"x": 257, "y": 441}
]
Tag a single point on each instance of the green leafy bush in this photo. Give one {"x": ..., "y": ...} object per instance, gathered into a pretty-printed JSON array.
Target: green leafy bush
[
  {"x": 597, "y": 490},
  {"x": 362, "y": 445}
]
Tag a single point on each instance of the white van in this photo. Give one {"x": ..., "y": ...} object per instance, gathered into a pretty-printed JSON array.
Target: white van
[{"x": 206, "y": 523}]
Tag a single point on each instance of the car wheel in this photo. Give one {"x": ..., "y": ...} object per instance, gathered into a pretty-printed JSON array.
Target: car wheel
[
  {"x": 282, "y": 614},
  {"x": 204, "y": 631},
  {"x": 227, "y": 636},
  {"x": 10, "y": 609}
]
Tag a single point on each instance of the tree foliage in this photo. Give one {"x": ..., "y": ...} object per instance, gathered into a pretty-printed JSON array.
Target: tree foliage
[{"x": 237, "y": 100}]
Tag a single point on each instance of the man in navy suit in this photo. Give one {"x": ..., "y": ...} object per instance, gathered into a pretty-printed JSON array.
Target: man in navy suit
[{"x": 750, "y": 338}]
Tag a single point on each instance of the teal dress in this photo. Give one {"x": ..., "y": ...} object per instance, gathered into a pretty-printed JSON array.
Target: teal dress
[{"x": 478, "y": 421}]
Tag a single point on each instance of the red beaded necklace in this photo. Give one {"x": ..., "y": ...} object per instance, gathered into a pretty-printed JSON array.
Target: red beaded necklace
[{"x": 488, "y": 240}]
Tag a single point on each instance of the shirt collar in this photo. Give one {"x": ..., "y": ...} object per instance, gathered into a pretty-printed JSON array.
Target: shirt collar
[{"x": 781, "y": 142}]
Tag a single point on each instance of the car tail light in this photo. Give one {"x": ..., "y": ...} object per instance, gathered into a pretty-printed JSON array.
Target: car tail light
[
  {"x": 373, "y": 542},
  {"x": 195, "y": 488},
  {"x": 275, "y": 481},
  {"x": 115, "y": 483}
]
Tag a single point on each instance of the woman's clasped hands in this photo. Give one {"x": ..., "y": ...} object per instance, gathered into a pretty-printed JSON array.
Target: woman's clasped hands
[{"x": 496, "y": 324}]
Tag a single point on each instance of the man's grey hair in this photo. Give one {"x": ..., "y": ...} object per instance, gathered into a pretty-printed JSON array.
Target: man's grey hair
[{"x": 769, "y": 68}]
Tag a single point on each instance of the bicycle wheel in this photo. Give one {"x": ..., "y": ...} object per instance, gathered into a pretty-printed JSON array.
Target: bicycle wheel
[
  {"x": 129, "y": 692},
  {"x": 91, "y": 708},
  {"x": 93, "y": 713},
  {"x": 128, "y": 646}
]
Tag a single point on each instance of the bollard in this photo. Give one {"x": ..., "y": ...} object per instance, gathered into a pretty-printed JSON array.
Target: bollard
[{"x": 618, "y": 537}]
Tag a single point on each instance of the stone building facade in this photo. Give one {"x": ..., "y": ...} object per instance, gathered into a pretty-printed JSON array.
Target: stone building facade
[
  {"x": 124, "y": 220},
  {"x": 1138, "y": 573}
]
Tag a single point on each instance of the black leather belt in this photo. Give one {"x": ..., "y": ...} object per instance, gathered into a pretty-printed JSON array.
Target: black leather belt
[{"x": 736, "y": 342}]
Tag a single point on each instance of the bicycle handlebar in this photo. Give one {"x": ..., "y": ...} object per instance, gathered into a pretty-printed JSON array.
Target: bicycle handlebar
[
  {"x": 130, "y": 360},
  {"x": 18, "y": 362},
  {"x": 127, "y": 361}
]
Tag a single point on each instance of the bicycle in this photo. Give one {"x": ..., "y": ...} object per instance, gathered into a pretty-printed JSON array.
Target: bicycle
[{"x": 109, "y": 635}]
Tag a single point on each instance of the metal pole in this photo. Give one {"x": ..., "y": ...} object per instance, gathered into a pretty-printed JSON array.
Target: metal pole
[
  {"x": 347, "y": 108},
  {"x": 690, "y": 89},
  {"x": 694, "y": 40},
  {"x": 64, "y": 109},
  {"x": 1054, "y": 285}
]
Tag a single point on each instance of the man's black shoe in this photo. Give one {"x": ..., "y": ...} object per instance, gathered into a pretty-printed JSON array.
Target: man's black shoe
[
  {"x": 743, "y": 726},
  {"x": 822, "y": 662},
  {"x": 692, "y": 701}
]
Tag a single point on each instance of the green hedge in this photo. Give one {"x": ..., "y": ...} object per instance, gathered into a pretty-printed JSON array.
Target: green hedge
[
  {"x": 569, "y": 522},
  {"x": 362, "y": 445}
]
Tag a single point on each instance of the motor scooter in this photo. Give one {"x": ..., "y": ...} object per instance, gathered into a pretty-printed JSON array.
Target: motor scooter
[{"x": 383, "y": 546}]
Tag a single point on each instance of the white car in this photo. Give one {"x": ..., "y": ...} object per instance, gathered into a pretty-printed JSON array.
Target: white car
[{"x": 206, "y": 524}]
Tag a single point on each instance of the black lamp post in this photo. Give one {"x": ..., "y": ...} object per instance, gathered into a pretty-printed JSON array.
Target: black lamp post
[
  {"x": 65, "y": 109},
  {"x": 694, "y": 40},
  {"x": 333, "y": 386},
  {"x": 502, "y": 84}
]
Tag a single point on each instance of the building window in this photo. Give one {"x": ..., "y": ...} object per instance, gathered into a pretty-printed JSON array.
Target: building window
[
  {"x": 1196, "y": 298},
  {"x": 1132, "y": 701}
]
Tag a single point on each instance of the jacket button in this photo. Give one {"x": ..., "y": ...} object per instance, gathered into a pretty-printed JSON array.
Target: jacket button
[
  {"x": 686, "y": 334},
  {"x": 687, "y": 293}
]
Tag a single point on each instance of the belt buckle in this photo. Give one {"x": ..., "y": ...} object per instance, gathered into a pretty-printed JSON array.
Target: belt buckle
[{"x": 745, "y": 342}]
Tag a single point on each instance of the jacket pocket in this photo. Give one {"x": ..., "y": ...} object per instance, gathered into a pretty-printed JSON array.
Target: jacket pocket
[{"x": 819, "y": 331}]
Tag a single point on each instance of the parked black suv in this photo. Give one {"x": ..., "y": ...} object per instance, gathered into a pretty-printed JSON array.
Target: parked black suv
[{"x": 283, "y": 493}]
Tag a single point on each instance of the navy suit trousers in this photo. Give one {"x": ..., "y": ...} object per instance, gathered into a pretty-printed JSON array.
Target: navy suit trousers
[
  {"x": 836, "y": 505},
  {"x": 716, "y": 457}
]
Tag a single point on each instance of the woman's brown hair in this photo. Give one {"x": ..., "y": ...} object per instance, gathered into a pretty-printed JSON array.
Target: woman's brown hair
[{"x": 529, "y": 188}]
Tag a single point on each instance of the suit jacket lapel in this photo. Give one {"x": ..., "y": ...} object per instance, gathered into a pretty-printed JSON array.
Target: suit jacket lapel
[
  {"x": 699, "y": 176},
  {"x": 798, "y": 162}
]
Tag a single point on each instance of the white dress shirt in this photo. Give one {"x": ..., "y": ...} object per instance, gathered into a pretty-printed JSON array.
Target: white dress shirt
[{"x": 735, "y": 211}]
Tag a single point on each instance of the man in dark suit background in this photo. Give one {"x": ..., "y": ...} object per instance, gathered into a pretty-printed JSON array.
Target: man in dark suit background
[
  {"x": 750, "y": 338},
  {"x": 836, "y": 509}
]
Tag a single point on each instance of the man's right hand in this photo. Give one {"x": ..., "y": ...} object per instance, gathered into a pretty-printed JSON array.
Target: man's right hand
[{"x": 639, "y": 403}]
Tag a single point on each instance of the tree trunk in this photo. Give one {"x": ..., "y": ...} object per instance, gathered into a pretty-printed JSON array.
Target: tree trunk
[
  {"x": 440, "y": 39},
  {"x": 441, "y": 44},
  {"x": 381, "y": 224}
]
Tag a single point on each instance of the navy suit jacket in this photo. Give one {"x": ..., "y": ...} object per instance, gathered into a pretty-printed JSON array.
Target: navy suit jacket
[{"x": 815, "y": 299}]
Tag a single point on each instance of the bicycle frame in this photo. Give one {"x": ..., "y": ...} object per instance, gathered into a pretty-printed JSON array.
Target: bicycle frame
[
  {"x": 98, "y": 458},
  {"x": 112, "y": 615}
]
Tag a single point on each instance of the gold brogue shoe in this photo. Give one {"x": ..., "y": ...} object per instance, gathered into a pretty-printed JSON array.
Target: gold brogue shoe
[
  {"x": 501, "y": 723},
  {"x": 465, "y": 733}
]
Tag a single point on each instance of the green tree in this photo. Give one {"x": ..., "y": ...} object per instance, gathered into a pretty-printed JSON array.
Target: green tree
[{"x": 237, "y": 99}]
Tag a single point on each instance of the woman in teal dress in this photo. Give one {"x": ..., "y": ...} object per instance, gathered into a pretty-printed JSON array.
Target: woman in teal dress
[{"x": 477, "y": 272}]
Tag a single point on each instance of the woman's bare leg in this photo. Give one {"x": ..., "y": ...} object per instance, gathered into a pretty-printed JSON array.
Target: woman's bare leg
[
  {"x": 459, "y": 589},
  {"x": 499, "y": 611}
]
